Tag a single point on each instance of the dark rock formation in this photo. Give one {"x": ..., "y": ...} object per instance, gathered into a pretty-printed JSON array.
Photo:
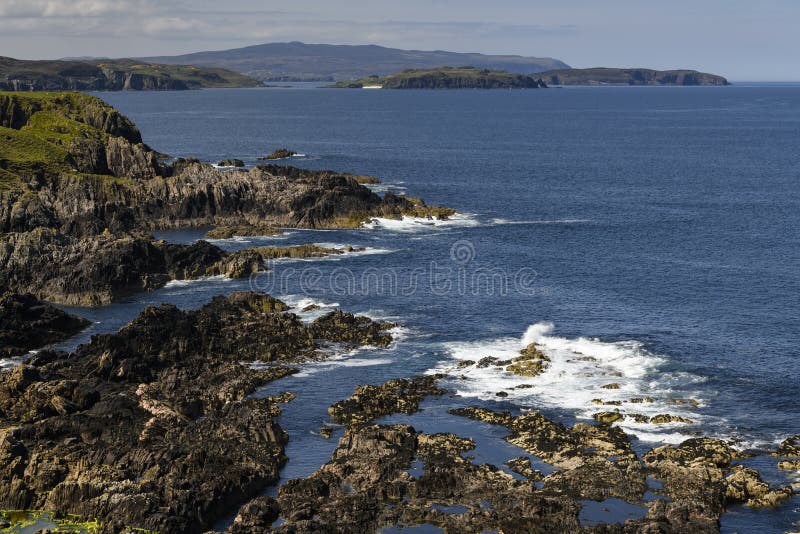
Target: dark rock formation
[
  {"x": 153, "y": 427},
  {"x": 231, "y": 163},
  {"x": 27, "y": 324},
  {"x": 98, "y": 270},
  {"x": 226, "y": 232},
  {"x": 598, "y": 463},
  {"x": 368, "y": 403},
  {"x": 366, "y": 486},
  {"x": 281, "y": 153}
]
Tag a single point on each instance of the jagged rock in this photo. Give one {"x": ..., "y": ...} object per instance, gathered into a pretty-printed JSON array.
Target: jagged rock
[
  {"x": 366, "y": 486},
  {"x": 790, "y": 448},
  {"x": 531, "y": 362},
  {"x": 280, "y": 153},
  {"x": 667, "y": 418},
  {"x": 153, "y": 427},
  {"x": 100, "y": 269},
  {"x": 256, "y": 516},
  {"x": 608, "y": 417},
  {"x": 401, "y": 395},
  {"x": 231, "y": 163},
  {"x": 610, "y": 386},
  {"x": 744, "y": 485},
  {"x": 27, "y": 324},
  {"x": 347, "y": 328},
  {"x": 226, "y": 232}
]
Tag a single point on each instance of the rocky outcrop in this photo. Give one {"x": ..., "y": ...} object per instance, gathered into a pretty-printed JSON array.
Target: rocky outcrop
[
  {"x": 98, "y": 270},
  {"x": 368, "y": 403},
  {"x": 153, "y": 427},
  {"x": 597, "y": 463},
  {"x": 227, "y": 232},
  {"x": 366, "y": 486},
  {"x": 27, "y": 324},
  {"x": 281, "y": 153},
  {"x": 231, "y": 163}
]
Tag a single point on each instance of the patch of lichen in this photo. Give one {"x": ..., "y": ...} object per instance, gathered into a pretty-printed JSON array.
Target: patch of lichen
[{"x": 20, "y": 520}]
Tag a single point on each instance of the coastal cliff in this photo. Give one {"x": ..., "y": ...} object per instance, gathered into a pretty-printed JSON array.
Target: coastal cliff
[
  {"x": 447, "y": 78},
  {"x": 113, "y": 75},
  {"x": 610, "y": 76},
  {"x": 79, "y": 192}
]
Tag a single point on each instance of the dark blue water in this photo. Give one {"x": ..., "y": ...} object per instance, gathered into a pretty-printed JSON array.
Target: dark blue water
[{"x": 655, "y": 228}]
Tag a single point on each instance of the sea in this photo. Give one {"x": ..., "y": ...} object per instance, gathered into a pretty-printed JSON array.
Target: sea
[{"x": 644, "y": 237}]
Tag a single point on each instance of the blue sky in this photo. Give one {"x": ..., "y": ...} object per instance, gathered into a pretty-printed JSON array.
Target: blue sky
[{"x": 741, "y": 40}]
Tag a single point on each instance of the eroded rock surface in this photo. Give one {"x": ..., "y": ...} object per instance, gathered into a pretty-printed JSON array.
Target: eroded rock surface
[
  {"x": 27, "y": 324},
  {"x": 396, "y": 396},
  {"x": 153, "y": 427}
]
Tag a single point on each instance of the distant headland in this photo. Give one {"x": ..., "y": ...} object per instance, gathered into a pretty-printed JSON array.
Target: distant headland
[
  {"x": 614, "y": 76},
  {"x": 446, "y": 78},
  {"x": 113, "y": 75}
]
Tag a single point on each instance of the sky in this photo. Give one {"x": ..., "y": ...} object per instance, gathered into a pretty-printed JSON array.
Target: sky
[{"x": 742, "y": 40}]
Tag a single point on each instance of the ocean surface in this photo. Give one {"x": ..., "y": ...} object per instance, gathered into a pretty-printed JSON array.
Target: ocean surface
[{"x": 654, "y": 231}]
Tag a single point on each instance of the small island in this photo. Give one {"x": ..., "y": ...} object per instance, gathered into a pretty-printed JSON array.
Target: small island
[
  {"x": 113, "y": 75},
  {"x": 612, "y": 76},
  {"x": 446, "y": 78}
]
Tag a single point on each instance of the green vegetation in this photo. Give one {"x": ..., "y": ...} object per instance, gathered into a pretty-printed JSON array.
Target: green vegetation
[
  {"x": 37, "y": 131},
  {"x": 193, "y": 77},
  {"x": 113, "y": 75},
  {"x": 35, "y": 520},
  {"x": 610, "y": 76},
  {"x": 447, "y": 78}
]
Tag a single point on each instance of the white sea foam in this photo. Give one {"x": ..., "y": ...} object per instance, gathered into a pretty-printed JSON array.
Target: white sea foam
[
  {"x": 500, "y": 222},
  {"x": 173, "y": 284},
  {"x": 6, "y": 364},
  {"x": 419, "y": 224},
  {"x": 574, "y": 377}
]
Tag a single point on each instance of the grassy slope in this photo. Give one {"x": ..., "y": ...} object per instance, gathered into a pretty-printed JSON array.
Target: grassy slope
[
  {"x": 619, "y": 76},
  {"x": 40, "y": 146},
  {"x": 194, "y": 76}
]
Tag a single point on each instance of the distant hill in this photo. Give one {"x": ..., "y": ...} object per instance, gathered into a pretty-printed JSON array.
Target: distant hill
[
  {"x": 112, "y": 75},
  {"x": 609, "y": 76},
  {"x": 299, "y": 61},
  {"x": 447, "y": 78}
]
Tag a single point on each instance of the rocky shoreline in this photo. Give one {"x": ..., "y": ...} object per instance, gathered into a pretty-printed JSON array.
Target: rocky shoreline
[{"x": 165, "y": 425}]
